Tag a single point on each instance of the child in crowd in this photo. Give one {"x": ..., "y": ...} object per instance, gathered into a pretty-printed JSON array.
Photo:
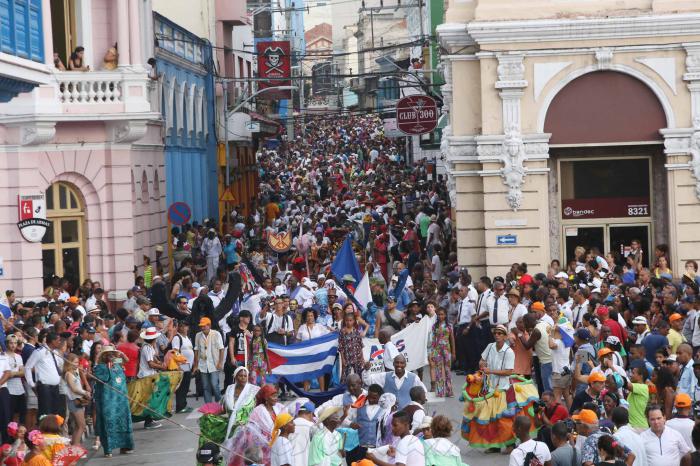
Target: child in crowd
[{"x": 258, "y": 363}]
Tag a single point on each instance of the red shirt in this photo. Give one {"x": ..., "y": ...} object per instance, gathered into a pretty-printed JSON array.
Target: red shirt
[
  {"x": 131, "y": 351},
  {"x": 560, "y": 413},
  {"x": 615, "y": 329}
]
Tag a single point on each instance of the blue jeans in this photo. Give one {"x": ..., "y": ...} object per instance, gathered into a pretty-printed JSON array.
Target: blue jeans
[
  {"x": 546, "y": 374},
  {"x": 210, "y": 383}
]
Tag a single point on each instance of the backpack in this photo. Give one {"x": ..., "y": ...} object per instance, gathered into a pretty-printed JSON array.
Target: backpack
[
  {"x": 531, "y": 459},
  {"x": 170, "y": 343}
]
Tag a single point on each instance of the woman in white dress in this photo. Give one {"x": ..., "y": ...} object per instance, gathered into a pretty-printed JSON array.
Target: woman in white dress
[
  {"x": 257, "y": 432},
  {"x": 239, "y": 399},
  {"x": 308, "y": 330}
]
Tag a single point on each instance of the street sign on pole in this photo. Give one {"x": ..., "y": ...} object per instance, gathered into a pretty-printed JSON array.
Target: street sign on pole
[
  {"x": 179, "y": 213},
  {"x": 416, "y": 114}
]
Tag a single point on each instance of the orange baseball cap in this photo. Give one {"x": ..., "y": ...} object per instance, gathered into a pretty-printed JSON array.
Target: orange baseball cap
[
  {"x": 73, "y": 300},
  {"x": 586, "y": 416},
  {"x": 538, "y": 306},
  {"x": 675, "y": 316},
  {"x": 683, "y": 400},
  {"x": 204, "y": 321},
  {"x": 603, "y": 351},
  {"x": 596, "y": 377}
]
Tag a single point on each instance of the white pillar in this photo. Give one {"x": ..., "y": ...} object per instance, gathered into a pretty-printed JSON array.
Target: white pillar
[
  {"x": 123, "y": 31},
  {"x": 135, "y": 33},
  {"x": 84, "y": 8},
  {"x": 48, "y": 32}
]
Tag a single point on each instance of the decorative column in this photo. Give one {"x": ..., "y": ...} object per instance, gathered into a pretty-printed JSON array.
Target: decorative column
[
  {"x": 123, "y": 31},
  {"x": 511, "y": 82},
  {"x": 135, "y": 33},
  {"x": 692, "y": 77}
]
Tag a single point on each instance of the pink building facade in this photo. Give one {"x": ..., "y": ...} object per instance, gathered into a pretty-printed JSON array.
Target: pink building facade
[{"x": 89, "y": 143}]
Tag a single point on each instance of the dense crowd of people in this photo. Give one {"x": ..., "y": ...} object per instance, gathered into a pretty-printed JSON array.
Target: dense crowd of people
[{"x": 610, "y": 340}]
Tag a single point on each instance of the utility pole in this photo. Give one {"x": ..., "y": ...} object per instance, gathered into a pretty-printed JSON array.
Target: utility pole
[{"x": 290, "y": 106}]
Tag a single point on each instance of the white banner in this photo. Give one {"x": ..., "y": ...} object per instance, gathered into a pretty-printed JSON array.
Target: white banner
[{"x": 412, "y": 342}]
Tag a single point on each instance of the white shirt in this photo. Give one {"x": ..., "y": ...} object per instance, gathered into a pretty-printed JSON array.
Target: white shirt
[
  {"x": 666, "y": 450},
  {"x": 418, "y": 416},
  {"x": 305, "y": 297},
  {"x": 300, "y": 439},
  {"x": 184, "y": 345},
  {"x": 560, "y": 356},
  {"x": 577, "y": 313},
  {"x": 540, "y": 449},
  {"x": 87, "y": 345},
  {"x": 390, "y": 352},
  {"x": 281, "y": 452},
  {"x": 14, "y": 385},
  {"x": 633, "y": 441},
  {"x": 496, "y": 359},
  {"x": 337, "y": 401},
  {"x": 566, "y": 309},
  {"x": 304, "y": 333},
  {"x": 4, "y": 367},
  {"x": 503, "y": 310},
  {"x": 148, "y": 354},
  {"x": 368, "y": 379},
  {"x": 44, "y": 363},
  {"x": 484, "y": 303},
  {"x": 436, "y": 273},
  {"x": 216, "y": 297},
  {"x": 519, "y": 311},
  {"x": 209, "y": 348},
  {"x": 465, "y": 311},
  {"x": 409, "y": 451},
  {"x": 683, "y": 426}
]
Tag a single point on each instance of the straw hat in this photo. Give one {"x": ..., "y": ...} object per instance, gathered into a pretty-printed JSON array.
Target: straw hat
[{"x": 108, "y": 349}]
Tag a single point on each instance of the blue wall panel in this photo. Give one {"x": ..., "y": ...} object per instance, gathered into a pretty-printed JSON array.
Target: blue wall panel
[{"x": 190, "y": 158}]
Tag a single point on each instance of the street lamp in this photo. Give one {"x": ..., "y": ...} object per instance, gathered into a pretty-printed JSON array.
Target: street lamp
[{"x": 238, "y": 107}]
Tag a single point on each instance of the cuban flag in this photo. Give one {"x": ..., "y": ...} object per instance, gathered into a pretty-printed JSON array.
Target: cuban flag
[
  {"x": 566, "y": 330},
  {"x": 5, "y": 310},
  {"x": 303, "y": 361}
]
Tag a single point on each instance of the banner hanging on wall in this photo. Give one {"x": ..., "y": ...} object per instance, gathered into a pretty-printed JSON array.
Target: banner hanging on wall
[{"x": 274, "y": 67}]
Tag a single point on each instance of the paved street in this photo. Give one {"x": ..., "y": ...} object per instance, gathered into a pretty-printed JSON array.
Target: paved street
[{"x": 173, "y": 446}]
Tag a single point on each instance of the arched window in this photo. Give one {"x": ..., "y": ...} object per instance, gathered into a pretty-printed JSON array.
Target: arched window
[
  {"x": 156, "y": 185},
  {"x": 144, "y": 187},
  {"x": 63, "y": 245}
]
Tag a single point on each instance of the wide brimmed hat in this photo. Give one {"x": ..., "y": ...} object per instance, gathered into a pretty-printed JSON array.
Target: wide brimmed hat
[
  {"x": 108, "y": 349},
  {"x": 150, "y": 333}
]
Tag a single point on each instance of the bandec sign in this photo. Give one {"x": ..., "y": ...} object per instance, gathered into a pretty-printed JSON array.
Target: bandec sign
[
  {"x": 416, "y": 114},
  {"x": 605, "y": 207}
]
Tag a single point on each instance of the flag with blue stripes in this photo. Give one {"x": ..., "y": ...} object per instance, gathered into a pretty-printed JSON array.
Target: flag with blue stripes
[{"x": 303, "y": 361}]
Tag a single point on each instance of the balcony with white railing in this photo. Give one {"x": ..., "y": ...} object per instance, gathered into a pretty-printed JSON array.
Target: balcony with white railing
[
  {"x": 78, "y": 95},
  {"x": 103, "y": 91}
]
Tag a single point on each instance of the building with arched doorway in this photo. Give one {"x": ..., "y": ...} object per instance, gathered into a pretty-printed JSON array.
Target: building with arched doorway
[{"x": 572, "y": 124}]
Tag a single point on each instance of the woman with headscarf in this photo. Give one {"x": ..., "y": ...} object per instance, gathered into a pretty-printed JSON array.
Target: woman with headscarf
[
  {"x": 257, "y": 432},
  {"x": 113, "y": 412},
  {"x": 281, "y": 447},
  {"x": 239, "y": 399}
]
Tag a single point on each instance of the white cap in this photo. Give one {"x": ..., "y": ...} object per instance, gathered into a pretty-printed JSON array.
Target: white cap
[
  {"x": 562, "y": 275},
  {"x": 153, "y": 312},
  {"x": 639, "y": 320}
]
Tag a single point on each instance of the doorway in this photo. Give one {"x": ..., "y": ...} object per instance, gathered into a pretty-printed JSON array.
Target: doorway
[
  {"x": 63, "y": 245},
  {"x": 609, "y": 237},
  {"x": 64, "y": 29}
]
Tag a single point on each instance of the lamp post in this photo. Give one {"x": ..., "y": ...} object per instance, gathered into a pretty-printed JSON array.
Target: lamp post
[{"x": 235, "y": 109}]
